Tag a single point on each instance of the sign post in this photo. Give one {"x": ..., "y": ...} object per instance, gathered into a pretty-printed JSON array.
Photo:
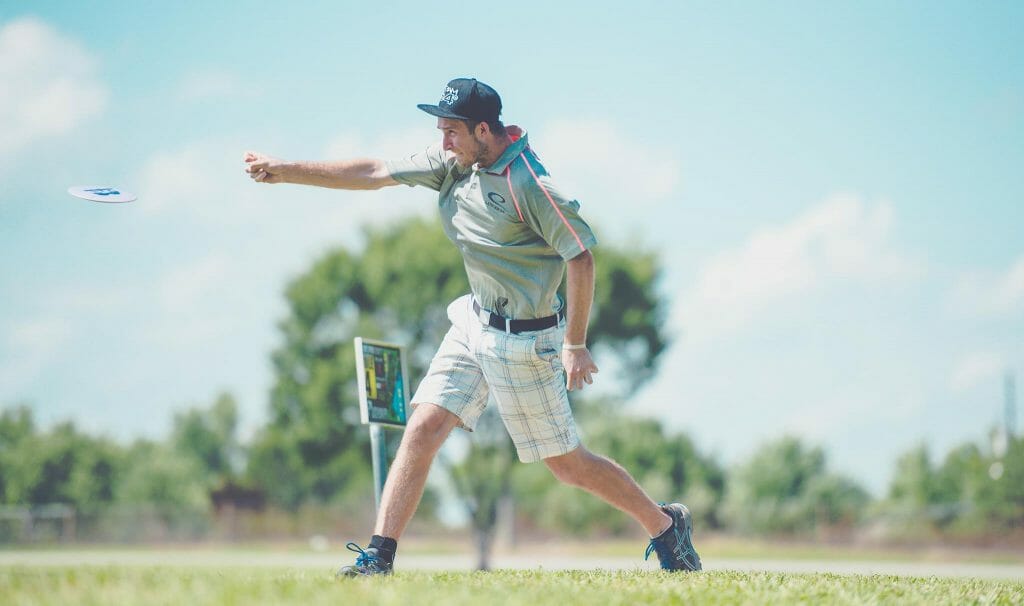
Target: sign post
[{"x": 383, "y": 399}]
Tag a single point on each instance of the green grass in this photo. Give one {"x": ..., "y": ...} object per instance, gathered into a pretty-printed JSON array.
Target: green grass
[
  {"x": 717, "y": 547},
  {"x": 155, "y": 585}
]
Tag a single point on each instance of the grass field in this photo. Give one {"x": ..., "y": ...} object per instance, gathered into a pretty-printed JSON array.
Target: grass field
[{"x": 187, "y": 585}]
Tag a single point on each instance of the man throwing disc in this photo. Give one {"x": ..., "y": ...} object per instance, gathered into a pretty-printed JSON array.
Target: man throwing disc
[{"x": 513, "y": 338}]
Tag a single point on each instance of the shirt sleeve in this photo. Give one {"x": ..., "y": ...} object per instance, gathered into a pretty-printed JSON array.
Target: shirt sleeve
[
  {"x": 555, "y": 217},
  {"x": 427, "y": 168}
]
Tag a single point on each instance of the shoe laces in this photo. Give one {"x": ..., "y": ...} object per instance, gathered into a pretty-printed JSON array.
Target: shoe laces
[
  {"x": 650, "y": 550},
  {"x": 364, "y": 558}
]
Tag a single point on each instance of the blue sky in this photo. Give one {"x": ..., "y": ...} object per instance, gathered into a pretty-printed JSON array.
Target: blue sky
[{"x": 835, "y": 193}]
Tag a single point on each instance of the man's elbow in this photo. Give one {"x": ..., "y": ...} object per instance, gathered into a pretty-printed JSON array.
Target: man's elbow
[
  {"x": 377, "y": 176},
  {"x": 582, "y": 260}
]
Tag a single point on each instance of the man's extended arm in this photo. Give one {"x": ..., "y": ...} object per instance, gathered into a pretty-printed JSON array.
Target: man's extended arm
[
  {"x": 579, "y": 287},
  {"x": 361, "y": 173}
]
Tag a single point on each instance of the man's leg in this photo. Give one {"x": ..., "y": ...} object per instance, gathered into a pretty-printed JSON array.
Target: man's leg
[
  {"x": 428, "y": 428},
  {"x": 670, "y": 526},
  {"x": 607, "y": 479}
]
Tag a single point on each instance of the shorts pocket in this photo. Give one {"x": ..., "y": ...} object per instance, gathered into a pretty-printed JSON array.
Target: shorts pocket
[{"x": 548, "y": 348}]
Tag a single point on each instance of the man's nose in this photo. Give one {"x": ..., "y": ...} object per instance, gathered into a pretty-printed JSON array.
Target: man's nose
[{"x": 446, "y": 143}]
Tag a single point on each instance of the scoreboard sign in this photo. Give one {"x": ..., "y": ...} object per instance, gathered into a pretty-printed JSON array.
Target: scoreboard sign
[{"x": 383, "y": 383}]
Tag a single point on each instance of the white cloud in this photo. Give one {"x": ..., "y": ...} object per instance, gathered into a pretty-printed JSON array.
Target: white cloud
[
  {"x": 591, "y": 156},
  {"x": 49, "y": 84},
  {"x": 974, "y": 368},
  {"x": 213, "y": 83},
  {"x": 840, "y": 239},
  {"x": 596, "y": 162},
  {"x": 828, "y": 419},
  {"x": 987, "y": 293},
  {"x": 186, "y": 286},
  {"x": 192, "y": 181},
  {"x": 386, "y": 146},
  {"x": 1009, "y": 291}
]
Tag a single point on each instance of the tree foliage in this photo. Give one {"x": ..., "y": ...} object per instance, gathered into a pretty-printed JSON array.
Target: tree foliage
[
  {"x": 210, "y": 438},
  {"x": 785, "y": 488},
  {"x": 61, "y": 465},
  {"x": 971, "y": 493}
]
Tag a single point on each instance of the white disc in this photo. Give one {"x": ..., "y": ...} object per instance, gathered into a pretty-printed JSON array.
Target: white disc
[{"x": 101, "y": 194}]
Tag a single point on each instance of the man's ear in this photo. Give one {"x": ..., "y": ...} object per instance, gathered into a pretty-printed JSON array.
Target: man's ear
[{"x": 482, "y": 130}]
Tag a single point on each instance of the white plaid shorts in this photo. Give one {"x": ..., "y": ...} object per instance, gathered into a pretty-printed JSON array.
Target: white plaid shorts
[{"x": 523, "y": 372}]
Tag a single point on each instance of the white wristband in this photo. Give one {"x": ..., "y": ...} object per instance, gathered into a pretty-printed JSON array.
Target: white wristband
[{"x": 568, "y": 346}]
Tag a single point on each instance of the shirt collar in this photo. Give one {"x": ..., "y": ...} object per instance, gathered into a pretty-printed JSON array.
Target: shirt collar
[{"x": 511, "y": 152}]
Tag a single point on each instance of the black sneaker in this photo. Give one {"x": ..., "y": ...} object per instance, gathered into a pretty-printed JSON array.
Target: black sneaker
[
  {"x": 674, "y": 546},
  {"x": 368, "y": 563}
]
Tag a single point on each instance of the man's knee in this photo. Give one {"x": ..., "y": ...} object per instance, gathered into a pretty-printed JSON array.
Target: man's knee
[
  {"x": 570, "y": 467},
  {"x": 430, "y": 425}
]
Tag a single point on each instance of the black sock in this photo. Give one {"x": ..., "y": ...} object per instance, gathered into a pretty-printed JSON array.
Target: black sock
[{"x": 386, "y": 548}]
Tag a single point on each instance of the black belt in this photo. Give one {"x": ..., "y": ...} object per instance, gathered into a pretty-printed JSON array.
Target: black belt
[{"x": 516, "y": 326}]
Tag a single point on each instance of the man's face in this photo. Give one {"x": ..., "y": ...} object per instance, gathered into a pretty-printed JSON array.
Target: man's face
[{"x": 456, "y": 138}]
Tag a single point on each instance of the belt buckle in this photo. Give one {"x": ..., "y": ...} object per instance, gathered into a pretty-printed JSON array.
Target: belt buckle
[{"x": 485, "y": 318}]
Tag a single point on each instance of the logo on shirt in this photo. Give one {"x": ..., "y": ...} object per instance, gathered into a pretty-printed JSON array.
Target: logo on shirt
[
  {"x": 496, "y": 203},
  {"x": 450, "y": 95}
]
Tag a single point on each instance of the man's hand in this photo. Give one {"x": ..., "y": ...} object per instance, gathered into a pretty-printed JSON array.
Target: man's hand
[
  {"x": 264, "y": 169},
  {"x": 578, "y": 368}
]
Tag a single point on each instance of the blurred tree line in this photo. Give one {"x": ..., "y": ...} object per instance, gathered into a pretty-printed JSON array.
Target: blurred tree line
[
  {"x": 975, "y": 492},
  {"x": 312, "y": 449}
]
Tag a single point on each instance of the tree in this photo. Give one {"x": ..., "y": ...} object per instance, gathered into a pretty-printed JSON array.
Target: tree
[
  {"x": 57, "y": 466},
  {"x": 16, "y": 424},
  {"x": 163, "y": 483},
  {"x": 971, "y": 494},
  {"x": 627, "y": 319},
  {"x": 785, "y": 488},
  {"x": 209, "y": 436}
]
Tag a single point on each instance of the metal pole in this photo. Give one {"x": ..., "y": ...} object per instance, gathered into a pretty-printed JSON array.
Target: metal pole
[
  {"x": 1010, "y": 409},
  {"x": 379, "y": 454}
]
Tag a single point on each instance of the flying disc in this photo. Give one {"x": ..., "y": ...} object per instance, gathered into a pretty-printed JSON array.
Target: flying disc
[{"x": 101, "y": 194}]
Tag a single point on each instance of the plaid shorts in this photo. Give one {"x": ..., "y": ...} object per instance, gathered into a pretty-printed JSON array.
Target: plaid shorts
[{"x": 523, "y": 372}]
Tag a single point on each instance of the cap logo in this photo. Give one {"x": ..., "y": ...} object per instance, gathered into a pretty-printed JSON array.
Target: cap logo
[{"x": 450, "y": 95}]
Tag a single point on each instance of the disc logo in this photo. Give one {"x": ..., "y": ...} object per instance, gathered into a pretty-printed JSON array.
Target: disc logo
[
  {"x": 104, "y": 191},
  {"x": 496, "y": 197}
]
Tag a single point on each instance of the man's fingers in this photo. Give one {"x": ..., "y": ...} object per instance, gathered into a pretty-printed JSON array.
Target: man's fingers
[{"x": 577, "y": 379}]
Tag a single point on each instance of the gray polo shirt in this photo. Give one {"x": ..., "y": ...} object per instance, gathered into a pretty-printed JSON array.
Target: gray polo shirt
[{"x": 514, "y": 227}]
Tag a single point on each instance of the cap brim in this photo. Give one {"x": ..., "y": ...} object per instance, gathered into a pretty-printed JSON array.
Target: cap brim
[{"x": 434, "y": 110}]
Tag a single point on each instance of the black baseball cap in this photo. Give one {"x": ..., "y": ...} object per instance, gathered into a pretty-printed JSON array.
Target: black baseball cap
[{"x": 466, "y": 99}]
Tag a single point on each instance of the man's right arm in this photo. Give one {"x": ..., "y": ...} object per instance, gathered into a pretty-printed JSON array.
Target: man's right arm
[{"x": 360, "y": 173}]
